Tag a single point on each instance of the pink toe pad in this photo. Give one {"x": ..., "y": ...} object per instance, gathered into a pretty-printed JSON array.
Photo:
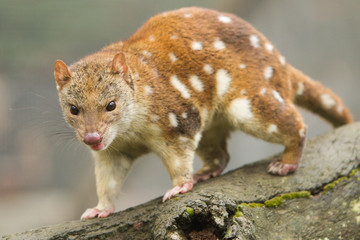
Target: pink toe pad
[{"x": 177, "y": 189}]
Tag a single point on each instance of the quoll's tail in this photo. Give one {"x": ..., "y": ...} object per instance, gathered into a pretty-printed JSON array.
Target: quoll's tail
[{"x": 319, "y": 99}]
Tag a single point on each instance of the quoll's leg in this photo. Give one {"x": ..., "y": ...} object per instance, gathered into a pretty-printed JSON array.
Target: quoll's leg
[
  {"x": 213, "y": 152},
  {"x": 272, "y": 119},
  {"x": 180, "y": 169},
  {"x": 292, "y": 136},
  {"x": 110, "y": 172},
  {"x": 289, "y": 159},
  {"x": 178, "y": 159}
]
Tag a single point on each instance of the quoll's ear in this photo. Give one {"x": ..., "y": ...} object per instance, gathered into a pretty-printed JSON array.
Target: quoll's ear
[
  {"x": 61, "y": 73},
  {"x": 119, "y": 66}
]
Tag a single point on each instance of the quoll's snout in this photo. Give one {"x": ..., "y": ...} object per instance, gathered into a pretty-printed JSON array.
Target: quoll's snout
[{"x": 92, "y": 138}]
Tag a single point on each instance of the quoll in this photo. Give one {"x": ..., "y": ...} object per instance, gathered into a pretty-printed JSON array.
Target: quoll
[{"x": 180, "y": 85}]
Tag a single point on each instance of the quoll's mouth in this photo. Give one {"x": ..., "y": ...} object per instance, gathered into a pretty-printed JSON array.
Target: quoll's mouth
[{"x": 98, "y": 146}]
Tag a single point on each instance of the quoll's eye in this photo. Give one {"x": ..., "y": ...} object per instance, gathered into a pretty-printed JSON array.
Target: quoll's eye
[
  {"x": 111, "y": 106},
  {"x": 74, "y": 110}
]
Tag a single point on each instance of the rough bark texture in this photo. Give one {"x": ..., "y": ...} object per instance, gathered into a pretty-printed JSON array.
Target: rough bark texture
[{"x": 320, "y": 201}]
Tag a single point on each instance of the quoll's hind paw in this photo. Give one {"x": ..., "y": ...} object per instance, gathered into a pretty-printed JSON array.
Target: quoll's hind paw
[
  {"x": 94, "y": 212},
  {"x": 177, "y": 189},
  {"x": 279, "y": 168},
  {"x": 202, "y": 176},
  {"x": 199, "y": 177}
]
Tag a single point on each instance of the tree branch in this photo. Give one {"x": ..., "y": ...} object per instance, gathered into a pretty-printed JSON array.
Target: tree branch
[{"x": 322, "y": 199}]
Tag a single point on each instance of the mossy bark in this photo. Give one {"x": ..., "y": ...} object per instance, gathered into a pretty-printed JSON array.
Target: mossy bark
[{"x": 320, "y": 200}]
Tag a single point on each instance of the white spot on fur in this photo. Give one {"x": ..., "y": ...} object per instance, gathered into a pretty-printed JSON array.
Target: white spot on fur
[
  {"x": 282, "y": 60},
  {"x": 195, "y": 45},
  {"x": 154, "y": 117},
  {"x": 302, "y": 132},
  {"x": 262, "y": 91},
  {"x": 340, "y": 109},
  {"x": 174, "y": 36},
  {"x": 254, "y": 40},
  {"x": 173, "y": 57},
  {"x": 224, "y": 19},
  {"x": 272, "y": 128},
  {"x": 240, "y": 109},
  {"x": 269, "y": 47},
  {"x": 178, "y": 85},
  {"x": 184, "y": 115},
  {"x": 148, "y": 90},
  {"x": 197, "y": 138},
  {"x": 187, "y": 15},
  {"x": 208, "y": 69},
  {"x": 216, "y": 161},
  {"x": 300, "y": 89},
  {"x": 268, "y": 72},
  {"x": 242, "y": 66},
  {"x": 243, "y": 92},
  {"x": 147, "y": 53},
  {"x": 327, "y": 101},
  {"x": 173, "y": 120},
  {"x": 205, "y": 114},
  {"x": 218, "y": 44},
  {"x": 223, "y": 80},
  {"x": 196, "y": 83},
  {"x": 151, "y": 38},
  {"x": 183, "y": 139},
  {"x": 277, "y": 96}
]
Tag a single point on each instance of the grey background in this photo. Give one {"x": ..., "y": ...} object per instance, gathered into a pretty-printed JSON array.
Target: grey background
[{"x": 46, "y": 175}]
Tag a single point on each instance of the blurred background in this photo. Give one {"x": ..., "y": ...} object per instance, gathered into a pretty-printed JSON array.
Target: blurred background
[{"x": 46, "y": 175}]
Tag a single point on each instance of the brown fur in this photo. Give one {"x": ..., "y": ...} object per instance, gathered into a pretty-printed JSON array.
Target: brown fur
[{"x": 184, "y": 74}]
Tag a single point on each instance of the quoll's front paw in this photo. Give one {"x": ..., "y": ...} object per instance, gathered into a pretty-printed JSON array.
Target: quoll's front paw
[
  {"x": 94, "y": 212},
  {"x": 178, "y": 189},
  {"x": 279, "y": 168}
]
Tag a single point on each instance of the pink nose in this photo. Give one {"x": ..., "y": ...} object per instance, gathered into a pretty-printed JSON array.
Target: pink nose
[{"x": 92, "y": 138}]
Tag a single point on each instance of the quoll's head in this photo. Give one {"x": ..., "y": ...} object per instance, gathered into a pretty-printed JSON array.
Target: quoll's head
[{"x": 95, "y": 97}]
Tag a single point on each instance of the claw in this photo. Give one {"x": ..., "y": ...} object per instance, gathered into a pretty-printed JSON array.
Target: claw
[{"x": 177, "y": 189}]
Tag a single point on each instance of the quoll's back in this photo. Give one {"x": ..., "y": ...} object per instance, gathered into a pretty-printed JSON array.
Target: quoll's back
[{"x": 203, "y": 57}]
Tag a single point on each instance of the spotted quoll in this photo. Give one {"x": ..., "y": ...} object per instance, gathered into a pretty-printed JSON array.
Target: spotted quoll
[{"x": 180, "y": 85}]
